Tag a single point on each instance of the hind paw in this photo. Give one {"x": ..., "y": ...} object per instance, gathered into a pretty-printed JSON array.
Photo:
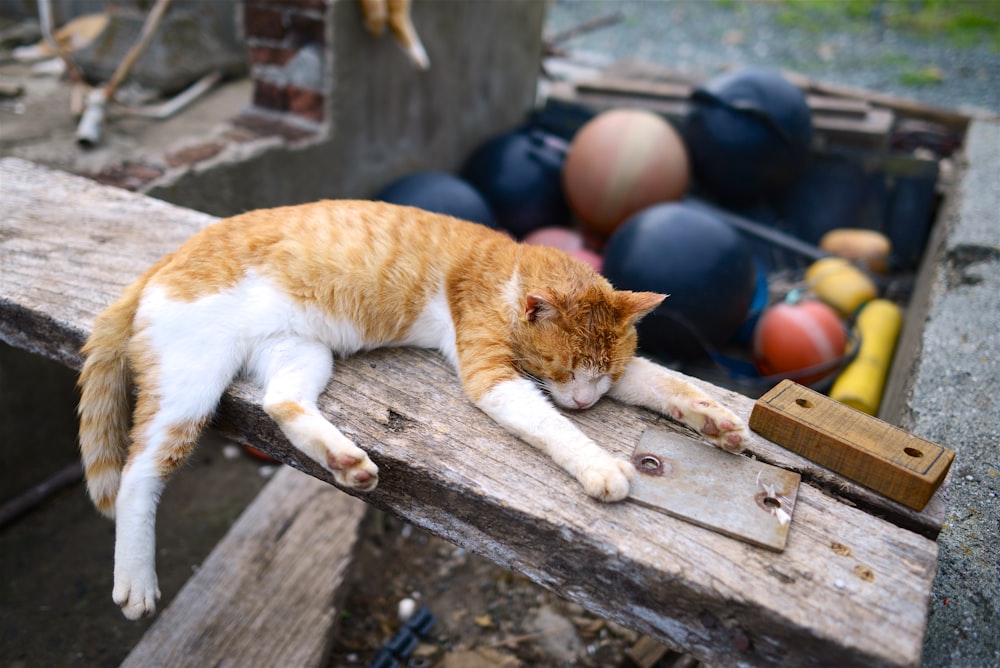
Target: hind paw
[{"x": 137, "y": 596}]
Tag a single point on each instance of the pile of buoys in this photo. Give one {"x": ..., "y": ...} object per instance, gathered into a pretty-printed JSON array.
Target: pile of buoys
[{"x": 614, "y": 194}]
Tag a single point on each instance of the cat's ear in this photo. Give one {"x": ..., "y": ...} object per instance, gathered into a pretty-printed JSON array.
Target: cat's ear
[
  {"x": 540, "y": 307},
  {"x": 634, "y": 305}
]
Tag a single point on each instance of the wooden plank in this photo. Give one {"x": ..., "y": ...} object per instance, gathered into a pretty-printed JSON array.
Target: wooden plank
[
  {"x": 833, "y": 119},
  {"x": 644, "y": 88},
  {"x": 270, "y": 592},
  {"x": 56, "y": 278},
  {"x": 885, "y": 458},
  {"x": 634, "y": 69},
  {"x": 69, "y": 246},
  {"x": 672, "y": 108},
  {"x": 836, "y": 106},
  {"x": 900, "y": 106},
  {"x": 636, "y": 88}
]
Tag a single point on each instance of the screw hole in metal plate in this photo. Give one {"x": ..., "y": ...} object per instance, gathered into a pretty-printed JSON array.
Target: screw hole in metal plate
[{"x": 651, "y": 465}]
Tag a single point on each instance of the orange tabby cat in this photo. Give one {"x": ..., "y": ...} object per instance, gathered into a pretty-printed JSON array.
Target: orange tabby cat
[{"x": 276, "y": 293}]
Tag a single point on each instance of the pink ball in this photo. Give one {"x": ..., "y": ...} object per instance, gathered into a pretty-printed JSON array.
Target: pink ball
[
  {"x": 590, "y": 257},
  {"x": 567, "y": 240},
  {"x": 556, "y": 237}
]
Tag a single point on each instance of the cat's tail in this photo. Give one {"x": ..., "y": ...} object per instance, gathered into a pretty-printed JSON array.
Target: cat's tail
[{"x": 104, "y": 398}]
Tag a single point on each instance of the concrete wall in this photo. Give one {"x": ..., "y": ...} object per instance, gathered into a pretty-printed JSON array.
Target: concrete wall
[
  {"x": 944, "y": 388},
  {"x": 375, "y": 116}
]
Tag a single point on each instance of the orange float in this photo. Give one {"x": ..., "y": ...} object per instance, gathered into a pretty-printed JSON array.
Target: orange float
[{"x": 791, "y": 337}]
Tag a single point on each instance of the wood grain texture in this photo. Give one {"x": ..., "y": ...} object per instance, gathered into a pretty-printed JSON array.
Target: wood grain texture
[
  {"x": 851, "y": 587},
  {"x": 900, "y": 465},
  {"x": 269, "y": 594}
]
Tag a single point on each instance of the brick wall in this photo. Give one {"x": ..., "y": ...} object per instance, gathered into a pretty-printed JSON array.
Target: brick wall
[{"x": 286, "y": 41}]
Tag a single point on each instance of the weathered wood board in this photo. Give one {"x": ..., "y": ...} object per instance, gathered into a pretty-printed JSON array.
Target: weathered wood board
[
  {"x": 269, "y": 593},
  {"x": 852, "y": 585}
]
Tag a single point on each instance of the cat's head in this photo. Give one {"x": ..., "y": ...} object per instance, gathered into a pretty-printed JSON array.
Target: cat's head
[{"x": 576, "y": 343}]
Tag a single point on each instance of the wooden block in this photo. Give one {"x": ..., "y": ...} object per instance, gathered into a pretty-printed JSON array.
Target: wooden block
[{"x": 887, "y": 459}]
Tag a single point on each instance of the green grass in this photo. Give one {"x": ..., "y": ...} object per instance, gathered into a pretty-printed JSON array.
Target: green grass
[
  {"x": 961, "y": 22},
  {"x": 925, "y": 76}
]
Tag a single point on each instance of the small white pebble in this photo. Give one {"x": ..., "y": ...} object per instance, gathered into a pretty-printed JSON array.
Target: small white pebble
[
  {"x": 969, "y": 478},
  {"x": 231, "y": 451},
  {"x": 266, "y": 471},
  {"x": 839, "y": 584},
  {"x": 407, "y": 607}
]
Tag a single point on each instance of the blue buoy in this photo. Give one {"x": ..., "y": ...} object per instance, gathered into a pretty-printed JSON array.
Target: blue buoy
[
  {"x": 748, "y": 133},
  {"x": 702, "y": 262},
  {"x": 519, "y": 174},
  {"x": 439, "y": 192}
]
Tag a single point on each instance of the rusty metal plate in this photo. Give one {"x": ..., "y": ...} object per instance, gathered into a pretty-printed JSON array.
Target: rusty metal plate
[{"x": 733, "y": 495}]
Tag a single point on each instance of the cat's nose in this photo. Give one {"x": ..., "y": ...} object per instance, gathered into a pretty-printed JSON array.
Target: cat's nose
[{"x": 583, "y": 395}]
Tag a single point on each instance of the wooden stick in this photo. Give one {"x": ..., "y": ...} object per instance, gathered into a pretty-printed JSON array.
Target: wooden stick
[
  {"x": 145, "y": 37},
  {"x": 34, "y": 496},
  {"x": 88, "y": 132}
]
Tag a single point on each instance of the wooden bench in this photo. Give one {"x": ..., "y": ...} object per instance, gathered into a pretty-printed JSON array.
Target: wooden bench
[{"x": 851, "y": 587}]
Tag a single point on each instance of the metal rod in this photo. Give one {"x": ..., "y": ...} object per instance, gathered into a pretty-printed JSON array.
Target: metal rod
[
  {"x": 45, "y": 18},
  {"x": 769, "y": 234}
]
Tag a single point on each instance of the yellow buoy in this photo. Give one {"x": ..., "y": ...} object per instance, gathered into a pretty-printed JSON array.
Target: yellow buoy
[
  {"x": 861, "y": 383},
  {"x": 840, "y": 284},
  {"x": 869, "y": 247}
]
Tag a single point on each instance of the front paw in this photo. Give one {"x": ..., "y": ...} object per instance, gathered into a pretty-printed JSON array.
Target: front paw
[
  {"x": 136, "y": 594},
  {"x": 717, "y": 424},
  {"x": 607, "y": 479},
  {"x": 353, "y": 469}
]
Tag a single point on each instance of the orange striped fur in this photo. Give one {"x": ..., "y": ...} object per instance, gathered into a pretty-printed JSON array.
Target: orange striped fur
[{"x": 273, "y": 293}]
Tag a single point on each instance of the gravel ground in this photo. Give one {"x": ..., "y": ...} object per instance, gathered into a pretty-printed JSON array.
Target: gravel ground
[{"x": 705, "y": 36}]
